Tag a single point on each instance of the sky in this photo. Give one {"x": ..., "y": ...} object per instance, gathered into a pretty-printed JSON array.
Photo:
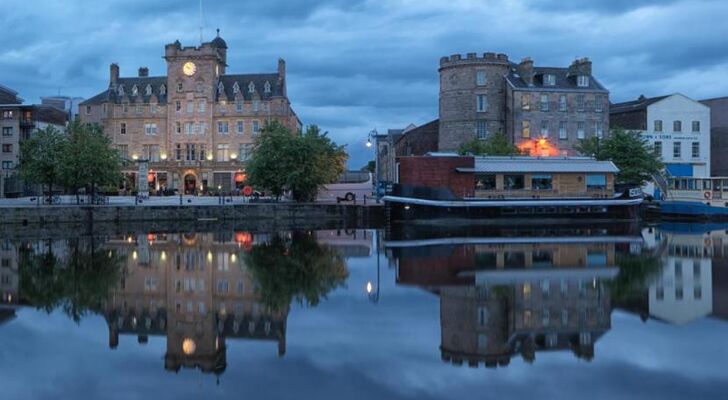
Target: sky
[{"x": 358, "y": 65}]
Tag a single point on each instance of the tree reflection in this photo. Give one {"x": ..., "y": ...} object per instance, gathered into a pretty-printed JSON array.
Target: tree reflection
[
  {"x": 78, "y": 283},
  {"x": 635, "y": 273},
  {"x": 295, "y": 267}
]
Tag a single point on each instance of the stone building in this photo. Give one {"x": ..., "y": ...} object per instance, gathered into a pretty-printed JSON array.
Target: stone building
[
  {"x": 18, "y": 122},
  {"x": 543, "y": 110},
  {"x": 196, "y": 124},
  {"x": 718, "y": 135}
]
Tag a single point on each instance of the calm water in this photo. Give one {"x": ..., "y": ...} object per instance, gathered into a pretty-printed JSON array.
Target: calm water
[{"x": 546, "y": 312}]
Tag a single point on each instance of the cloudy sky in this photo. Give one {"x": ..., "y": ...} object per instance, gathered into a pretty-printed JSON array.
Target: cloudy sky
[{"x": 358, "y": 65}]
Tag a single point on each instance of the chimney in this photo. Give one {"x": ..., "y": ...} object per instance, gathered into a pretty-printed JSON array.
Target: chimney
[
  {"x": 114, "y": 73},
  {"x": 282, "y": 75},
  {"x": 581, "y": 66},
  {"x": 525, "y": 69},
  {"x": 143, "y": 72}
]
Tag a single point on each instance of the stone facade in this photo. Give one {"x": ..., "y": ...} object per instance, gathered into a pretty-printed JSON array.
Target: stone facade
[
  {"x": 196, "y": 125},
  {"x": 472, "y": 97}
]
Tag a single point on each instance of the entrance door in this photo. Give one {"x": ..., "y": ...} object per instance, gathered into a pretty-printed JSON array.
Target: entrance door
[{"x": 190, "y": 184}]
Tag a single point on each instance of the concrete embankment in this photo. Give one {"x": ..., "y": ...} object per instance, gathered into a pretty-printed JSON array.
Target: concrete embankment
[{"x": 290, "y": 213}]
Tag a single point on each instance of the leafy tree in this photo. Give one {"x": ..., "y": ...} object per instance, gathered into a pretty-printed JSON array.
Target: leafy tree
[
  {"x": 40, "y": 157},
  {"x": 300, "y": 163},
  {"x": 496, "y": 145},
  {"x": 296, "y": 268},
  {"x": 630, "y": 152},
  {"x": 370, "y": 167},
  {"x": 88, "y": 159}
]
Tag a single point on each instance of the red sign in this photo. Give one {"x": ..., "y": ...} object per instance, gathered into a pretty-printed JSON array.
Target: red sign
[{"x": 247, "y": 191}]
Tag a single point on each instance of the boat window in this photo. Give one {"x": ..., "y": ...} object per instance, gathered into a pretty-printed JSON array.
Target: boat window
[
  {"x": 725, "y": 183},
  {"x": 596, "y": 182},
  {"x": 512, "y": 182},
  {"x": 484, "y": 182},
  {"x": 706, "y": 184},
  {"x": 691, "y": 184},
  {"x": 717, "y": 184},
  {"x": 541, "y": 182}
]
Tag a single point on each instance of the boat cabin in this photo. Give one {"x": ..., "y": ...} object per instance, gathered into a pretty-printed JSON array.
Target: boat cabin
[{"x": 699, "y": 189}]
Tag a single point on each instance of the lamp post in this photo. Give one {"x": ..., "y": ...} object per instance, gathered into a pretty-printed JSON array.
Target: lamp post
[{"x": 373, "y": 135}]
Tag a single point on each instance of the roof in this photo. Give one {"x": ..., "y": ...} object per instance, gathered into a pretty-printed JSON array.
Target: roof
[
  {"x": 563, "y": 80},
  {"x": 419, "y": 140},
  {"x": 635, "y": 105},
  {"x": 258, "y": 80},
  {"x": 539, "y": 164}
]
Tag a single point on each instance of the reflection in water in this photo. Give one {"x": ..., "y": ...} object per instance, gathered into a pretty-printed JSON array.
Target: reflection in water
[{"x": 197, "y": 290}]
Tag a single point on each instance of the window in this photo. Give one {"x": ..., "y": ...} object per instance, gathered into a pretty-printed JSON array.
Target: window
[
  {"x": 7, "y": 165},
  {"x": 154, "y": 153},
  {"x": 544, "y": 102},
  {"x": 150, "y": 129},
  {"x": 7, "y": 131},
  {"x": 190, "y": 153},
  {"x": 202, "y": 105},
  {"x": 545, "y": 128},
  {"x": 124, "y": 151},
  {"x": 178, "y": 127},
  {"x": 139, "y": 109},
  {"x": 525, "y": 101},
  {"x": 582, "y": 81},
  {"x": 481, "y": 78},
  {"x": 179, "y": 86},
  {"x": 236, "y": 88},
  {"x": 239, "y": 106},
  {"x": 676, "y": 150},
  {"x": 549, "y": 80},
  {"x": 223, "y": 152},
  {"x": 677, "y": 126},
  {"x": 562, "y": 130},
  {"x": 8, "y": 114},
  {"x": 189, "y": 128},
  {"x": 526, "y": 129},
  {"x": 153, "y": 108},
  {"x": 541, "y": 182},
  {"x": 580, "y": 130},
  {"x": 598, "y": 129},
  {"x": 658, "y": 149},
  {"x": 580, "y": 102},
  {"x": 696, "y": 126},
  {"x": 88, "y": 110},
  {"x": 266, "y": 87},
  {"x": 251, "y": 87},
  {"x": 256, "y": 103},
  {"x": 246, "y": 150},
  {"x": 125, "y": 108},
  {"x": 120, "y": 90},
  {"x": 256, "y": 127},
  {"x": 598, "y": 104},
  {"x": 658, "y": 125},
  {"x": 134, "y": 90},
  {"x": 513, "y": 182},
  {"x": 696, "y": 149},
  {"x": 482, "y": 129},
  {"x": 148, "y": 90},
  {"x": 240, "y": 127},
  {"x": 562, "y": 102},
  {"x": 190, "y": 107},
  {"x": 7, "y": 148},
  {"x": 202, "y": 152},
  {"x": 222, "y": 128},
  {"x": 162, "y": 90},
  {"x": 482, "y": 103},
  {"x": 178, "y": 106},
  {"x": 484, "y": 182},
  {"x": 596, "y": 182},
  {"x": 178, "y": 152}
]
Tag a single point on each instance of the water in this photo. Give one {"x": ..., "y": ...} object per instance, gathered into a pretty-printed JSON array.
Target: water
[{"x": 597, "y": 311}]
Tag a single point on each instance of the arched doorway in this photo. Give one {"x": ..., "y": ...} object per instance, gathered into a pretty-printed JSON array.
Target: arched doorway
[{"x": 190, "y": 183}]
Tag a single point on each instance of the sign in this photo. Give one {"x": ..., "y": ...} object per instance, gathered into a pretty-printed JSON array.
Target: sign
[{"x": 142, "y": 183}]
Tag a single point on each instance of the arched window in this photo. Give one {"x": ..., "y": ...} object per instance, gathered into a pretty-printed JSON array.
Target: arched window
[
  {"x": 148, "y": 90},
  {"x": 220, "y": 88},
  {"x": 121, "y": 90},
  {"x": 162, "y": 90},
  {"x": 251, "y": 87},
  {"x": 236, "y": 88},
  {"x": 267, "y": 87},
  {"x": 134, "y": 90}
]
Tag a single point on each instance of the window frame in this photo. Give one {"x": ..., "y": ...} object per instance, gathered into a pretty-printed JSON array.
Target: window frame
[
  {"x": 546, "y": 182},
  {"x": 513, "y": 184}
]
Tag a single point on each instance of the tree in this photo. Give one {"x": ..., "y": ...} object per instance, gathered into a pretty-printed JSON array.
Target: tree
[
  {"x": 370, "y": 167},
  {"x": 630, "y": 152},
  {"x": 40, "y": 157},
  {"x": 88, "y": 159},
  {"x": 300, "y": 163},
  {"x": 496, "y": 145},
  {"x": 296, "y": 268}
]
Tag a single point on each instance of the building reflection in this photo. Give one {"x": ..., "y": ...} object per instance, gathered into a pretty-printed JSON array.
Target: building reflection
[
  {"x": 515, "y": 295},
  {"x": 196, "y": 290}
]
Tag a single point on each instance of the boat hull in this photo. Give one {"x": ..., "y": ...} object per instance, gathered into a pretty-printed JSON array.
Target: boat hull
[{"x": 678, "y": 209}]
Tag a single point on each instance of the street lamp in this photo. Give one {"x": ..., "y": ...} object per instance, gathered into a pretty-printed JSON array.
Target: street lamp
[{"x": 373, "y": 135}]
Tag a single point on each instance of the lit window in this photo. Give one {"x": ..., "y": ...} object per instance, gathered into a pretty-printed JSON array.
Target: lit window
[
  {"x": 526, "y": 129},
  {"x": 582, "y": 81},
  {"x": 481, "y": 78},
  {"x": 223, "y": 152}
]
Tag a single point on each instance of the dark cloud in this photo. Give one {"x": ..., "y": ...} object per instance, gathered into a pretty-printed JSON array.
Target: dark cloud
[{"x": 355, "y": 65}]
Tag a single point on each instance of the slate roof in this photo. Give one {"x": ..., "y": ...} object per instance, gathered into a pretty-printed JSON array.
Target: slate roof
[
  {"x": 244, "y": 80},
  {"x": 537, "y": 164},
  {"x": 112, "y": 96},
  {"x": 635, "y": 105},
  {"x": 563, "y": 80}
]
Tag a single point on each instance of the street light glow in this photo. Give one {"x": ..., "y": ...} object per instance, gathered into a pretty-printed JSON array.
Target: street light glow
[
  {"x": 369, "y": 143},
  {"x": 370, "y": 287}
]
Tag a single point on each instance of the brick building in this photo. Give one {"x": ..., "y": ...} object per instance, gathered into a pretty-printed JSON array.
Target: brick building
[
  {"x": 195, "y": 125},
  {"x": 718, "y": 135}
]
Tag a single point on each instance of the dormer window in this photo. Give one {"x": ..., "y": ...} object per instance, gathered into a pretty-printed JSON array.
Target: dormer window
[
  {"x": 549, "y": 79},
  {"x": 251, "y": 87},
  {"x": 162, "y": 90},
  {"x": 220, "y": 88},
  {"x": 134, "y": 90},
  {"x": 121, "y": 90},
  {"x": 267, "y": 87},
  {"x": 582, "y": 81},
  {"x": 148, "y": 90},
  {"x": 236, "y": 88}
]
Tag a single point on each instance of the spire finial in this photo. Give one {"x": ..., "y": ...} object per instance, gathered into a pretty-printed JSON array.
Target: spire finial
[{"x": 218, "y": 32}]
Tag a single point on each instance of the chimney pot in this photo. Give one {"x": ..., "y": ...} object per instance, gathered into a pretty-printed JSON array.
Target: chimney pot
[{"x": 143, "y": 72}]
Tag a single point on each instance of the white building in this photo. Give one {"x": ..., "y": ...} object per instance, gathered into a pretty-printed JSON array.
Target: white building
[{"x": 677, "y": 126}]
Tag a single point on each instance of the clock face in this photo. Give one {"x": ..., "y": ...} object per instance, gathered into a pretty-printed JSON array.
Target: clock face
[{"x": 189, "y": 68}]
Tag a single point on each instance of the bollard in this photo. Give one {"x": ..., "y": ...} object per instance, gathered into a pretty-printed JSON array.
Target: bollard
[{"x": 180, "y": 199}]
